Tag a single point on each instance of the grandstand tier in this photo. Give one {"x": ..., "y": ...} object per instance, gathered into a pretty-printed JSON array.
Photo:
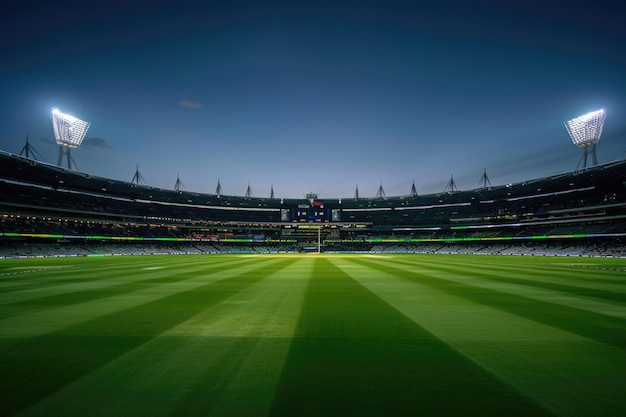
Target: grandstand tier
[{"x": 42, "y": 203}]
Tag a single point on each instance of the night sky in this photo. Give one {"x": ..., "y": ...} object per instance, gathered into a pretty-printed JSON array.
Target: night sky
[{"x": 315, "y": 96}]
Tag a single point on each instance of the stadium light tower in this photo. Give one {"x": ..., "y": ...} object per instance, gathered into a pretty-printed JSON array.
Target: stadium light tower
[
  {"x": 585, "y": 132},
  {"x": 69, "y": 133}
]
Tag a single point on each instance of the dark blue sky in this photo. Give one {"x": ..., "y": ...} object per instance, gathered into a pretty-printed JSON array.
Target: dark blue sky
[{"x": 315, "y": 96}]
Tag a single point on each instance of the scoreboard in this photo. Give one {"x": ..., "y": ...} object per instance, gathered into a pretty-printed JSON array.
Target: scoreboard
[
  {"x": 311, "y": 214},
  {"x": 316, "y": 212}
]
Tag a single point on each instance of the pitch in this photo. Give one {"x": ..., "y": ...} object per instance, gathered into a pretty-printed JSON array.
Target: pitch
[{"x": 313, "y": 335}]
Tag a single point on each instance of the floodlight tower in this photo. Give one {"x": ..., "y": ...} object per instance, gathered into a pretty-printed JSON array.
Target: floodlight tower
[
  {"x": 69, "y": 133},
  {"x": 585, "y": 132}
]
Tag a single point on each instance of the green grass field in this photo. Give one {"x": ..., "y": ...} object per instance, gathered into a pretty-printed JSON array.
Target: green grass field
[{"x": 313, "y": 335}]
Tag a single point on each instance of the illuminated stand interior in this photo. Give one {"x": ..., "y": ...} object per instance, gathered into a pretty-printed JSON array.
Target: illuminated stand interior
[
  {"x": 69, "y": 133},
  {"x": 585, "y": 132}
]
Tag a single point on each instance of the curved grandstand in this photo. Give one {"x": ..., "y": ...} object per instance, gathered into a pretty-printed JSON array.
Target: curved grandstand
[{"x": 50, "y": 210}]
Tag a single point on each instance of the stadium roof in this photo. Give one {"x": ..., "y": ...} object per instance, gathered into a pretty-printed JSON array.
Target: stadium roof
[{"x": 27, "y": 171}]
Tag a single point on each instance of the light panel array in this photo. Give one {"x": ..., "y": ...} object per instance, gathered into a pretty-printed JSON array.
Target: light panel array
[
  {"x": 586, "y": 129},
  {"x": 68, "y": 130}
]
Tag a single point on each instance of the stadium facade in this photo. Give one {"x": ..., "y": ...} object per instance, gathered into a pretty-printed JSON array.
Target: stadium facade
[{"x": 82, "y": 214}]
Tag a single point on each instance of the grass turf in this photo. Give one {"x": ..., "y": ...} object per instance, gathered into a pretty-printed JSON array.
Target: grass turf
[{"x": 318, "y": 335}]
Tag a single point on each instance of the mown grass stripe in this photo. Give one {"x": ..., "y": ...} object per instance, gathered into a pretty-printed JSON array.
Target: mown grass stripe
[
  {"x": 39, "y": 366},
  {"x": 45, "y": 298},
  {"x": 586, "y": 274},
  {"x": 541, "y": 361},
  {"x": 590, "y": 274},
  {"x": 562, "y": 282},
  {"x": 481, "y": 277},
  {"x": 244, "y": 383},
  {"x": 224, "y": 361},
  {"x": 30, "y": 325},
  {"x": 99, "y": 272},
  {"x": 578, "y": 271},
  {"x": 599, "y": 327},
  {"x": 585, "y": 291},
  {"x": 355, "y": 355},
  {"x": 67, "y": 270}
]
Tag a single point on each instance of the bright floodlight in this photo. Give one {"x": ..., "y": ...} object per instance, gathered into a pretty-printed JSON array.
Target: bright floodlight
[
  {"x": 69, "y": 133},
  {"x": 68, "y": 130},
  {"x": 587, "y": 128},
  {"x": 585, "y": 132}
]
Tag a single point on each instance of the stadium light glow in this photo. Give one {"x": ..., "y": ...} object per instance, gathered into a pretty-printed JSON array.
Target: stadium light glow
[
  {"x": 585, "y": 133},
  {"x": 68, "y": 130},
  {"x": 587, "y": 128},
  {"x": 69, "y": 133}
]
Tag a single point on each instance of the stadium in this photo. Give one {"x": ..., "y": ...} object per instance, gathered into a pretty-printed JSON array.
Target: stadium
[
  {"x": 50, "y": 210},
  {"x": 311, "y": 306}
]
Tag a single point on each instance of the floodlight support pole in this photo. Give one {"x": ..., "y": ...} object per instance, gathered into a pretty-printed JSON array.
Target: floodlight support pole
[
  {"x": 64, "y": 152},
  {"x": 583, "y": 160},
  {"x": 588, "y": 150},
  {"x": 594, "y": 159},
  {"x": 61, "y": 154}
]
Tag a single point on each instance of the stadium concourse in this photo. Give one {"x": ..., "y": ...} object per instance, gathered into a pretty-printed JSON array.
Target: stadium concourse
[{"x": 47, "y": 210}]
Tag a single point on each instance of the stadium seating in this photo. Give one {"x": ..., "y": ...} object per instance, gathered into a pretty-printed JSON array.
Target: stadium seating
[{"x": 49, "y": 210}]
